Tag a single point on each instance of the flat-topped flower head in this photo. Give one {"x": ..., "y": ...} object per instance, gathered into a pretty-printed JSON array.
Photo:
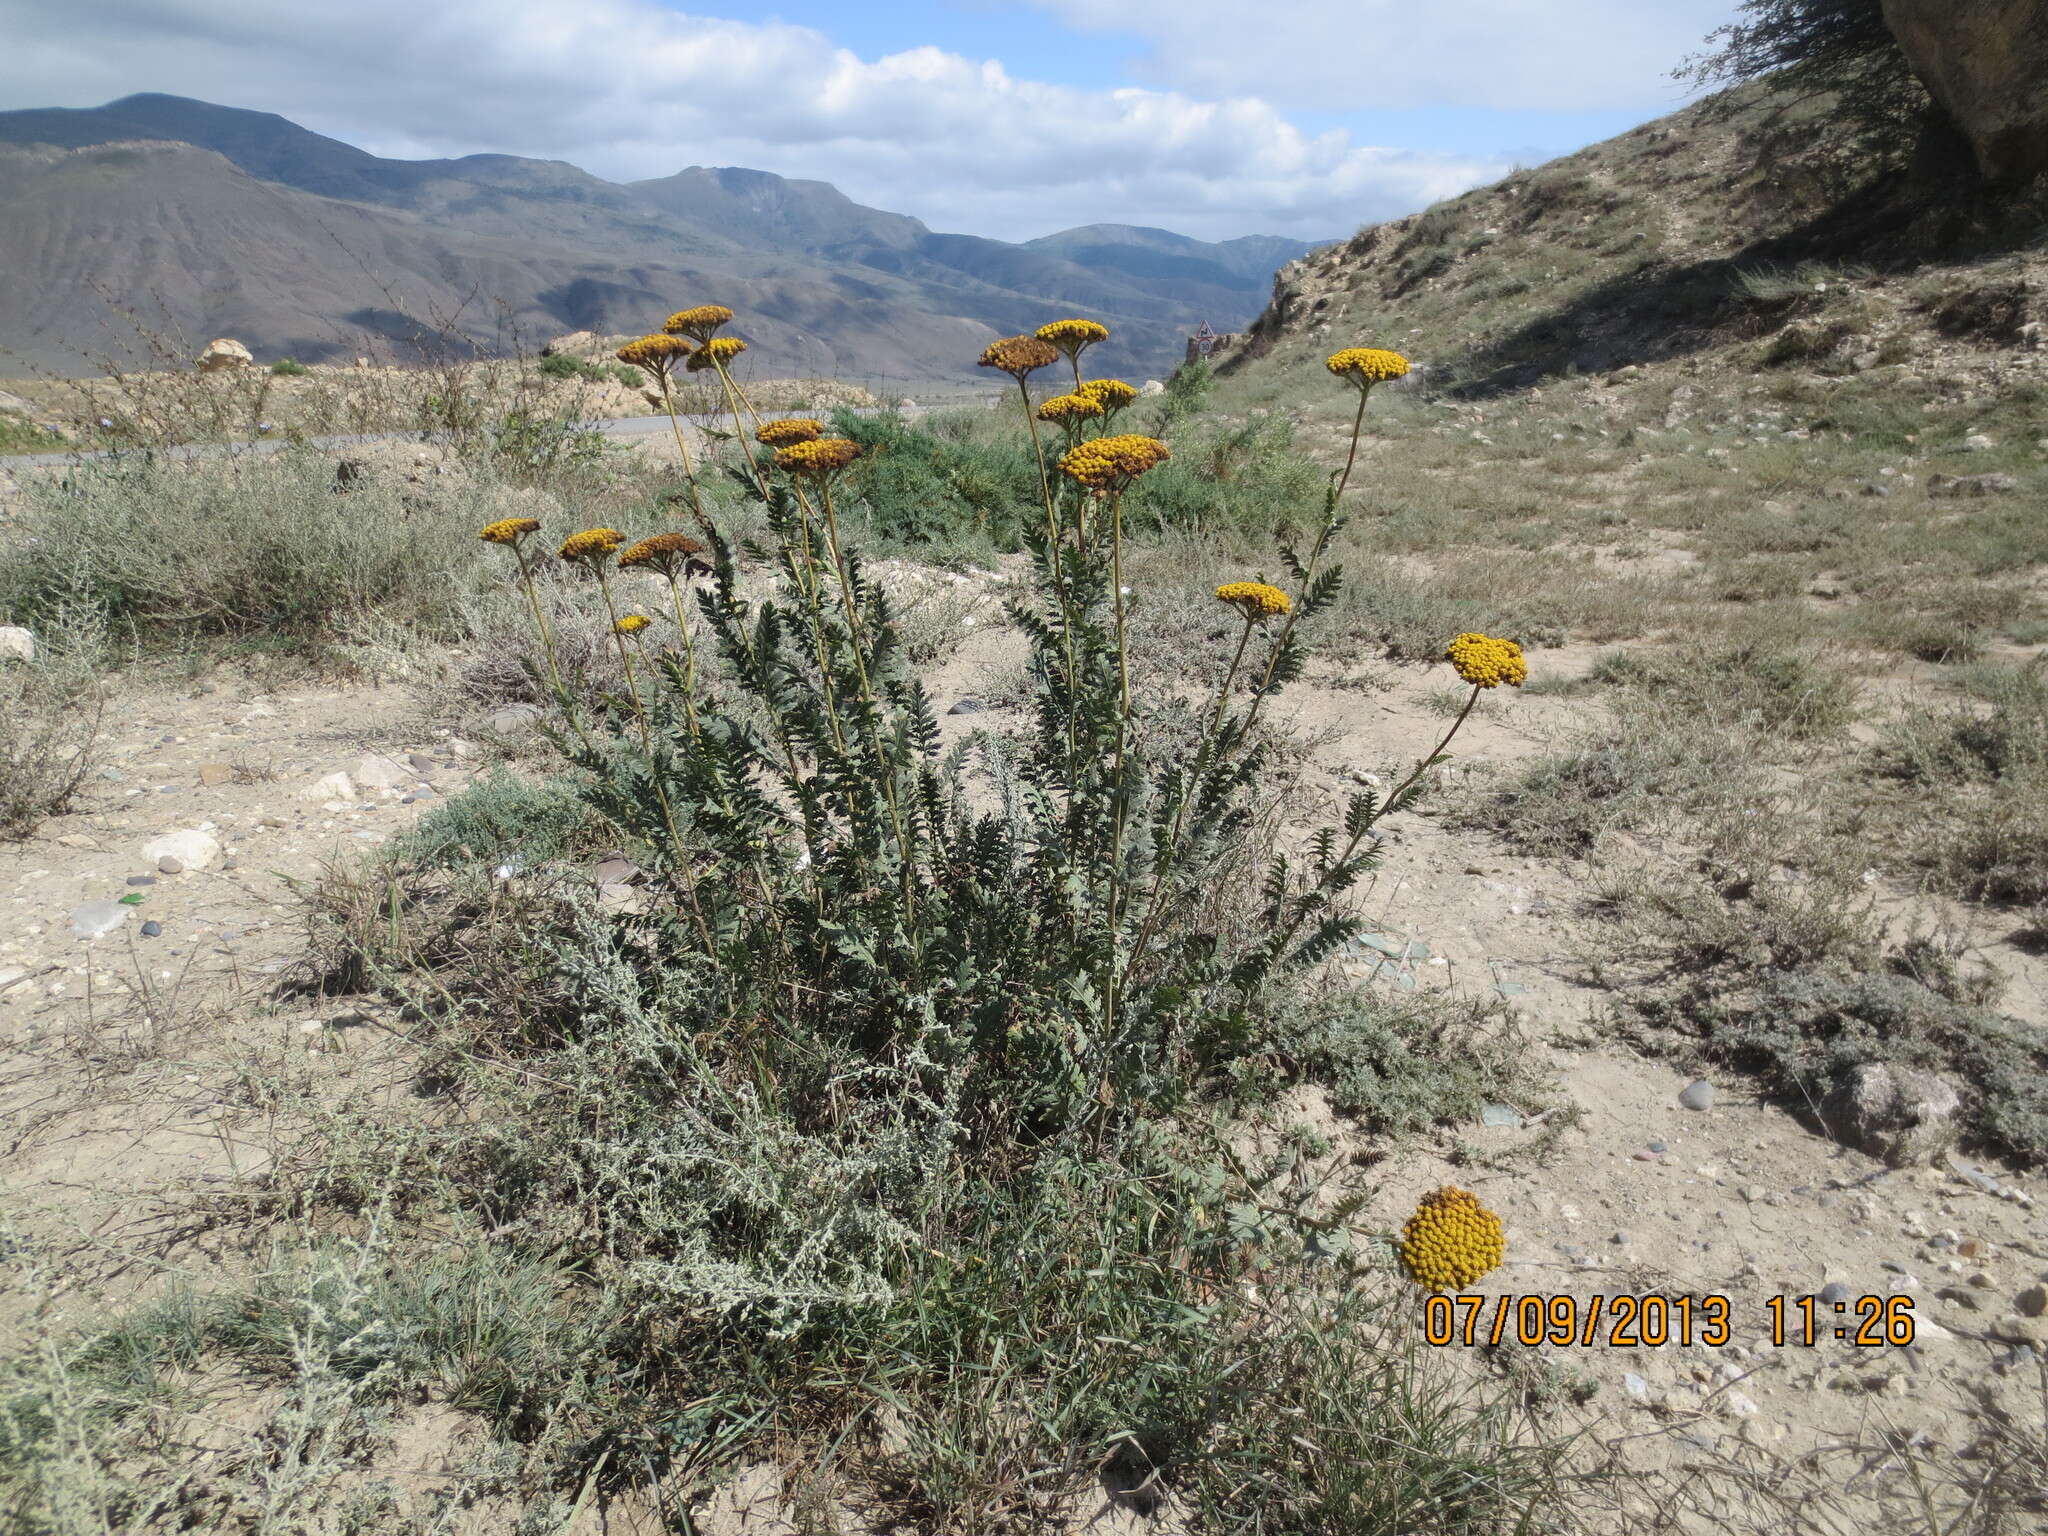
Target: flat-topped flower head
[
  {"x": 1111, "y": 394},
  {"x": 593, "y": 546},
  {"x": 1452, "y": 1241},
  {"x": 699, "y": 324},
  {"x": 508, "y": 530},
  {"x": 791, "y": 429},
  {"x": 1254, "y": 599},
  {"x": 664, "y": 553},
  {"x": 656, "y": 354},
  {"x": 1019, "y": 355},
  {"x": 1110, "y": 463},
  {"x": 820, "y": 457},
  {"x": 1073, "y": 337},
  {"x": 1487, "y": 662},
  {"x": 631, "y": 624},
  {"x": 715, "y": 353},
  {"x": 1071, "y": 409},
  {"x": 1363, "y": 367}
]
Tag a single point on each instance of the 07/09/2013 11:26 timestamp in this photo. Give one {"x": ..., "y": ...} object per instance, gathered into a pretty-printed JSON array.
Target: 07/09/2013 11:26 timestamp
[{"x": 1630, "y": 1322}]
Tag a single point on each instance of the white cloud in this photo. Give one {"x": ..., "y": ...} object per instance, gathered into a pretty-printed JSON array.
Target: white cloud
[
  {"x": 1348, "y": 55},
  {"x": 626, "y": 89}
]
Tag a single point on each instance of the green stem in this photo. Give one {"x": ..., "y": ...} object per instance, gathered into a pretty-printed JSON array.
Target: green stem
[
  {"x": 1357, "y": 422},
  {"x": 668, "y": 815},
  {"x": 547, "y": 640},
  {"x": 689, "y": 470}
]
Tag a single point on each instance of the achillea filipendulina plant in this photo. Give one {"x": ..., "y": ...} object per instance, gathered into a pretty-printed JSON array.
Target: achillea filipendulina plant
[
  {"x": 699, "y": 324},
  {"x": 817, "y": 458},
  {"x": 1071, "y": 411},
  {"x": 1019, "y": 356},
  {"x": 1452, "y": 1241},
  {"x": 790, "y": 429},
  {"x": 1055, "y": 944},
  {"x": 1073, "y": 337},
  {"x": 1111, "y": 394},
  {"x": 508, "y": 530},
  {"x": 1112, "y": 463},
  {"x": 1486, "y": 662},
  {"x": 631, "y": 624},
  {"x": 716, "y": 353},
  {"x": 1255, "y": 599},
  {"x": 1362, "y": 368},
  {"x": 592, "y": 547}
]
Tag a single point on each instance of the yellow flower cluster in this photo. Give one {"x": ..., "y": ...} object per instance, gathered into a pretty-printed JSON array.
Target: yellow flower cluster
[
  {"x": 663, "y": 552},
  {"x": 821, "y": 457},
  {"x": 508, "y": 530},
  {"x": 592, "y": 544},
  {"x": 1070, "y": 336},
  {"x": 1070, "y": 408},
  {"x": 1111, "y": 394},
  {"x": 1111, "y": 462},
  {"x": 1019, "y": 355},
  {"x": 1452, "y": 1240},
  {"x": 1487, "y": 662},
  {"x": 1367, "y": 366},
  {"x": 657, "y": 354},
  {"x": 718, "y": 350},
  {"x": 632, "y": 624},
  {"x": 791, "y": 429},
  {"x": 698, "y": 323},
  {"x": 1254, "y": 599}
]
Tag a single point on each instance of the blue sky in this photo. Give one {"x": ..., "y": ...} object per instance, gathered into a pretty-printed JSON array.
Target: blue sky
[{"x": 1009, "y": 118}]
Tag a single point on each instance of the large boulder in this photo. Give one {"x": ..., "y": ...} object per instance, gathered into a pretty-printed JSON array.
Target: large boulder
[
  {"x": 223, "y": 353},
  {"x": 1986, "y": 62}
]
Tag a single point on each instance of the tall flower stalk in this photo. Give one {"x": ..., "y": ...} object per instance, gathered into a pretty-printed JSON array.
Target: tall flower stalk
[{"x": 657, "y": 357}]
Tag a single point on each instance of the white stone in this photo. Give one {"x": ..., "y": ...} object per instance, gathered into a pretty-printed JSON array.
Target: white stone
[
  {"x": 336, "y": 786},
  {"x": 14, "y": 405},
  {"x": 194, "y": 849},
  {"x": 224, "y": 352},
  {"x": 16, "y": 643},
  {"x": 377, "y": 772},
  {"x": 1152, "y": 387},
  {"x": 1742, "y": 1407},
  {"x": 95, "y": 918},
  {"x": 1977, "y": 442}
]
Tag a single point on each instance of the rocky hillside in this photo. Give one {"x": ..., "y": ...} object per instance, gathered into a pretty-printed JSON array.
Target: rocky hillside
[
  {"x": 217, "y": 221},
  {"x": 1736, "y": 228}
]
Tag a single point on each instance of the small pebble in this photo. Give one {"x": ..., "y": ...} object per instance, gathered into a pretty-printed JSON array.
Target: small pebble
[
  {"x": 1657, "y": 1146},
  {"x": 967, "y": 707},
  {"x": 2031, "y": 1302},
  {"x": 169, "y": 866},
  {"x": 142, "y": 879},
  {"x": 1835, "y": 1294},
  {"x": 1697, "y": 1095},
  {"x": 152, "y": 929},
  {"x": 1620, "y": 1239}
]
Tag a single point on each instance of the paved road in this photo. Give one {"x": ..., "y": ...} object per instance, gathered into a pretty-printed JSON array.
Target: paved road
[{"x": 617, "y": 426}]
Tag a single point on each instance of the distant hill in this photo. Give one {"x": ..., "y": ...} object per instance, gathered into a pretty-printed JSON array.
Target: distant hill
[{"x": 213, "y": 221}]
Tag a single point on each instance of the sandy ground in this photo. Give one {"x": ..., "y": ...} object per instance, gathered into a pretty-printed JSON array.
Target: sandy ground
[{"x": 126, "y": 1062}]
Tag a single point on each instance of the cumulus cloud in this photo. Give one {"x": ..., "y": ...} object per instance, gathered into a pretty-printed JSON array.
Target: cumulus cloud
[
  {"x": 629, "y": 89},
  {"x": 1347, "y": 55}
]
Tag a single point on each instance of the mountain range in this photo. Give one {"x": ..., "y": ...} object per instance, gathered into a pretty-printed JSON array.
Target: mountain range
[{"x": 161, "y": 213}]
